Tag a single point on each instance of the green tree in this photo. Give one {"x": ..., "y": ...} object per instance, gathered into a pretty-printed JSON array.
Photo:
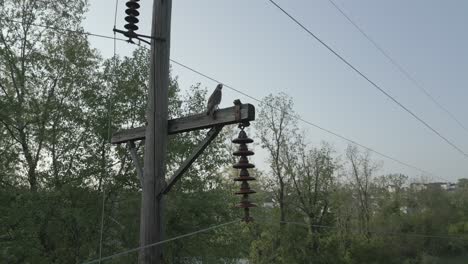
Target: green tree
[
  {"x": 276, "y": 129},
  {"x": 362, "y": 170},
  {"x": 40, "y": 73}
]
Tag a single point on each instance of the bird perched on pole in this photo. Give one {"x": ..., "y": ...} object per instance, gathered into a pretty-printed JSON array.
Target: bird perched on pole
[{"x": 214, "y": 100}]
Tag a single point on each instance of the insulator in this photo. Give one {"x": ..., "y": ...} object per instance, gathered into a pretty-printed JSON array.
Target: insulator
[
  {"x": 132, "y": 12},
  {"x": 242, "y": 138},
  {"x": 244, "y": 176},
  {"x": 131, "y": 18},
  {"x": 245, "y": 204},
  {"x": 245, "y": 191},
  {"x": 243, "y": 151},
  {"x": 243, "y": 163},
  {"x": 245, "y": 188}
]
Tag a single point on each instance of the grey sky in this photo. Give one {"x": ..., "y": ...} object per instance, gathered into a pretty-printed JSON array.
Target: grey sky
[{"x": 250, "y": 45}]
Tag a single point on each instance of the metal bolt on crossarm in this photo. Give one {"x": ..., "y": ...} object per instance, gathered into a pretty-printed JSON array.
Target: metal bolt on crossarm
[{"x": 244, "y": 177}]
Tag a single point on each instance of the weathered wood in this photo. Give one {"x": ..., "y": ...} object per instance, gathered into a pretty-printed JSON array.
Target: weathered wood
[
  {"x": 211, "y": 135},
  {"x": 136, "y": 161},
  {"x": 151, "y": 224},
  {"x": 225, "y": 116},
  {"x": 128, "y": 135}
]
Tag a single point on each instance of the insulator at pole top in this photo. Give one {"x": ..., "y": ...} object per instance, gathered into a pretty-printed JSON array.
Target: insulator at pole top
[
  {"x": 131, "y": 18},
  {"x": 132, "y": 12},
  {"x": 131, "y": 27},
  {"x": 133, "y": 3}
]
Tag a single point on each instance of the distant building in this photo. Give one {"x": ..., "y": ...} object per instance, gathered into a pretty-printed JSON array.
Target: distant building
[
  {"x": 391, "y": 188},
  {"x": 416, "y": 186},
  {"x": 452, "y": 187},
  {"x": 447, "y": 186}
]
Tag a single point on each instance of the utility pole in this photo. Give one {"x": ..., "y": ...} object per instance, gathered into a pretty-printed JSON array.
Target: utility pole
[
  {"x": 151, "y": 225},
  {"x": 152, "y": 176}
]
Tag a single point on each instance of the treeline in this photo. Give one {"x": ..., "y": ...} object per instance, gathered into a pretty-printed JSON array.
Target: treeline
[
  {"x": 329, "y": 207},
  {"x": 60, "y": 102}
]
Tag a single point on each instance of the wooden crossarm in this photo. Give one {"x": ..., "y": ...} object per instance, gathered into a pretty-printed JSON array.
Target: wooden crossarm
[{"x": 222, "y": 117}]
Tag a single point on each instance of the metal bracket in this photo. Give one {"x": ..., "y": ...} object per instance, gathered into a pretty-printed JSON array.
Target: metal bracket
[
  {"x": 133, "y": 35},
  {"x": 237, "y": 109},
  {"x": 186, "y": 164}
]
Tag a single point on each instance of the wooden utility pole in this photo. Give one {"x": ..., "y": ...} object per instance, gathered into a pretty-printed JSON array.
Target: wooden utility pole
[
  {"x": 152, "y": 176},
  {"x": 151, "y": 225},
  {"x": 157, "y": 187}
]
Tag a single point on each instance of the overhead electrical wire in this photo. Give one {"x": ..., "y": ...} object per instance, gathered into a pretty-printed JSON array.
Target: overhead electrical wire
[
  {"x": 64, "y": 30},
  {"x": 309, "y": 123},
  {"x": 383, "y": 233},
  {"x": 160, "y": 242},
  {"x": 272, "y": 106},
  {"x": 100, "y": 259},
  {"x": 109, "y": 113},
  {"x": 399, "y": 67},
  {"x": 370, "y": 81},
  {"x": 126, "y": 252}
]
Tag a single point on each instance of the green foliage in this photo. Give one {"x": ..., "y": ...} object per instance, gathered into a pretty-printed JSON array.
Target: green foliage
[{"x": 60, "y": 101}]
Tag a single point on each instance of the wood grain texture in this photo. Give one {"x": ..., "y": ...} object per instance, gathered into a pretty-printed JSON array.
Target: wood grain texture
[
  {"x": 152, "y": 217},
  {"x": 225, "y": 116}
]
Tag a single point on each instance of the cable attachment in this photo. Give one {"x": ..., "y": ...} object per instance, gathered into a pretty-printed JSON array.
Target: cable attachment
[{"x": 244, "y": 177}]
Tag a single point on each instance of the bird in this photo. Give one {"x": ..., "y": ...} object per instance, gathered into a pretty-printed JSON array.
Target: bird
[{"x": 214, "y": 100}]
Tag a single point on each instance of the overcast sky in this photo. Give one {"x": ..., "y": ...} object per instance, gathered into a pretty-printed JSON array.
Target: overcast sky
[{"x": 252, "y": 46}]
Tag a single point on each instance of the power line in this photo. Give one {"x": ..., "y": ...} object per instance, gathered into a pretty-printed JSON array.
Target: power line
[
  {"x": 160, "y": 242},
  {"x": 370, "y": 81},
  {"x": 101, "y": 234},
  {"x": 109, "y": 113},
  {"x": 301, "y": 119},
  {"x": 64, "y": 30},
  {"x": 399, "y": 67},
  {"x": 236, "y": 221},
  {"x": 307, "y": 122},
  {"x": 383, "y": 233},
  {"x": 275, "y": 254},
  {"x": 278, "y": 109},
  {"x": 286, "y": 222}
]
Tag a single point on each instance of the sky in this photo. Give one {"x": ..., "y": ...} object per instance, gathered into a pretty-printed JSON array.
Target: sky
[{"x": 252, "y": 46}]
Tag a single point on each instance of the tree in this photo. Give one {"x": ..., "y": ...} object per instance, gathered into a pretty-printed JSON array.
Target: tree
[
  {"x": 362, "y": 174},
  {"x": 314, "y": 184},
  {"x": 40, "y": 75},
  {"x": 276, "y": 127}
]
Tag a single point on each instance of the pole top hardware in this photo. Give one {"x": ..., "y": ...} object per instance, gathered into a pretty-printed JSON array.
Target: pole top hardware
[{"x": 132, "y": 21}]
